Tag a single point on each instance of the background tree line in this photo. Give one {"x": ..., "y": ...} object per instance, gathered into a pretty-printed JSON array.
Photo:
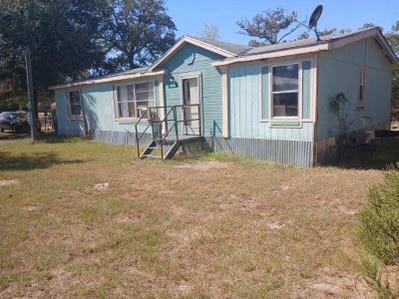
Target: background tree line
[{"x": 72, "y": 40}]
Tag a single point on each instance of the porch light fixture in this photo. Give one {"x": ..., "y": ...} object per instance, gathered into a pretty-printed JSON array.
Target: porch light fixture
[{"x": 172, "y": 82}]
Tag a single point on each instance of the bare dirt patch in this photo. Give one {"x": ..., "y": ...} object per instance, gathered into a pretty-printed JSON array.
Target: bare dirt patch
[
  {"x": 30, "y": 208},
  {"x": 183, "y": 289},
  {"x": 132, "y": 216},
  {"x": 186, "y": 236},
  {"x": 4, "y": 183},
  {"x": 338, "y": 286},
  {"x": 101, "y": 186},
  {"x": 207, "y": 165}
]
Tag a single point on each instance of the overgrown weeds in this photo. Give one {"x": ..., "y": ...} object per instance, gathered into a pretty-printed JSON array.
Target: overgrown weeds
[{"x": 379, "y": 236}]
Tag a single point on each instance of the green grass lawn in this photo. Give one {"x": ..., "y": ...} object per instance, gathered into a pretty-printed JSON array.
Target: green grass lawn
[{"x": 215, "y": 227}]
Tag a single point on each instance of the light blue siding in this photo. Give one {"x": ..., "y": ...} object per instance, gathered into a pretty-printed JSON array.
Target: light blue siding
[
  {"x": 245, "y": 93},
  {"x": 66, "y": 127},
  {"x": 340, "y": 71},
  {"x": 98, "y": 101},
  {"x": 265, "y": 92},
  {"x": 192, "y": 59}
]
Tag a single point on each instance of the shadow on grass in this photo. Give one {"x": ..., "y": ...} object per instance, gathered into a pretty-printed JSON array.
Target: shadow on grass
[
  {"x": 41, "y": 137},
  {"x": 12, "y": 136},
  {"x": 386, "y": 156},
  {"x": 31, "y": 162},
  {"x": 53, "y": 138}
]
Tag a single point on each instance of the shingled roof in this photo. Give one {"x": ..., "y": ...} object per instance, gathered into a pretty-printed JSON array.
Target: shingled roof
[
  {"x": 237, "y": 49},
  {"x": 236, "y": 53},
  {"x": 305, "y": 42}
]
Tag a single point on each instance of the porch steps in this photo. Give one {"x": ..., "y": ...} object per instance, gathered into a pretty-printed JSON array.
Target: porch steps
[
  {"x": 170, "y": 148},
  {"x": 167, "y": 130}
]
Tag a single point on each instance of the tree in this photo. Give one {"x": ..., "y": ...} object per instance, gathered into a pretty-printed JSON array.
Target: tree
[
  {"x": 304, "y": 35},
  {"x": 367, "y": 25},
  {"x": 393, "y": 39},
  {"x": 137, "y": 33},
  {"x": 210, "y": 31},
  {"x": 72, "y": 40},
  {"x": 270, "y": 26},
  {"x": 61, "y": 34}
]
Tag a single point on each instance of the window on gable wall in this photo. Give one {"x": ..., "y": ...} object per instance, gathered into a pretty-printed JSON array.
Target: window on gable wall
[
  {"x": 285, "y": 91},
  {"x": 75, "y": 107},
  {"x": 133, "y": 99}
]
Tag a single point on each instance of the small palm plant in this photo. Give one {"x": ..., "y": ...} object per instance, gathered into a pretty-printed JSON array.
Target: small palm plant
[{"x": 337, "y": 106}]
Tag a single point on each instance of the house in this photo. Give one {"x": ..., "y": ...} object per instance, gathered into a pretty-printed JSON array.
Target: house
[{"x": 270, "y": 102}]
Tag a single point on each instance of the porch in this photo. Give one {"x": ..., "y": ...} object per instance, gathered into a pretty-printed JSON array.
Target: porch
[{"x": 170, "y": 128}]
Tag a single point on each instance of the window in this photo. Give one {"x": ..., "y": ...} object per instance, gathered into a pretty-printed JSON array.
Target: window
[
  {"x": 143, "y": 95},
  {"x": 133, "y": 100},
  {"x": 285, "y": 91},
  {"x": 361, "y": 87},
  {"x": 75, "y": 107}
]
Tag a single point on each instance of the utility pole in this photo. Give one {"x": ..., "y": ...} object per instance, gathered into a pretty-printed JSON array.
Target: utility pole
[{"x": 31, "y": 100}]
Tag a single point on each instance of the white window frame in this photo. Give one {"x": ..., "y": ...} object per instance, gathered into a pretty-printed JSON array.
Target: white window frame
[
  {"x": 299, "y": 90},
  {"x": 133, "y": 84},
  {"x": 74, "y": 117}
]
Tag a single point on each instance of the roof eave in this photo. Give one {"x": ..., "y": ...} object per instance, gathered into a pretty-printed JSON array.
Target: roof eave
[
  {"x": 106, "y": 80},
  {"x": 274, "y": 54}
]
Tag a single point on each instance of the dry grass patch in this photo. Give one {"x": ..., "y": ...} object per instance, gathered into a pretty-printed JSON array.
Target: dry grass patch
[{"x": 202, "y": 229}]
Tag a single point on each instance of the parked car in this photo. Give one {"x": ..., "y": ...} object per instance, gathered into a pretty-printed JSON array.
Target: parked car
[{"x": 16, "y": 121}]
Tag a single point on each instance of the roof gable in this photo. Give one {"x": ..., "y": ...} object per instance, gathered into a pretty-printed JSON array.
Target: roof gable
[
  {"x": 311, "y": 45},
  {"x": 223, "y": 49}
]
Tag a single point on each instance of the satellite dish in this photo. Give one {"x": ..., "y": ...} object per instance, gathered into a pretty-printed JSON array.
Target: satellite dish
[{"x": 314, "y": 19}]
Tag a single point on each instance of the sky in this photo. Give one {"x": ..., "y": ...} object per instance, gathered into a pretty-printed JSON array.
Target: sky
[{"x": 191, "y": 15}]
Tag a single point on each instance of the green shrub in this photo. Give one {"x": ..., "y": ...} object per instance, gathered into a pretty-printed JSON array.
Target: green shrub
[
  {"x": 372, "y": 269},
  {"x": 379, "y": 234},
  {"x": 379, "y": 221}
]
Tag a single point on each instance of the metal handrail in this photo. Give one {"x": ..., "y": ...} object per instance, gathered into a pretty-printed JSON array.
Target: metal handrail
[
  {"x": 164, "y": 122},
  {"x": 142, "y": 133}
]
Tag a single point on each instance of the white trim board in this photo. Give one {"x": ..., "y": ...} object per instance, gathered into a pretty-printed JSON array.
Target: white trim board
[
  {"x": 198, "y": 76},
  {"x": 226, "y": 101},
  {"x": 108, "y": 79}
]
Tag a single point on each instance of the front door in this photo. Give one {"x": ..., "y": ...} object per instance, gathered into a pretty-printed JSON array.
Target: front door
[{"x": 191, "y": 109}]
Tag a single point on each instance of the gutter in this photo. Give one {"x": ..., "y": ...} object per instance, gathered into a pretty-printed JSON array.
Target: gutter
[
  {"x": 275, "y": 54},
  {"x": 108, "y": 79}
]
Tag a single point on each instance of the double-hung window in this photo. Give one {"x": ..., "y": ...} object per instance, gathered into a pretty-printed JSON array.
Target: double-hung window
[
  {"x": 133, "y": 99},
  {"x": 144, "y": 96},
  {"x": 285, "y": 91},
  {"x": 75, "y": 105}
]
